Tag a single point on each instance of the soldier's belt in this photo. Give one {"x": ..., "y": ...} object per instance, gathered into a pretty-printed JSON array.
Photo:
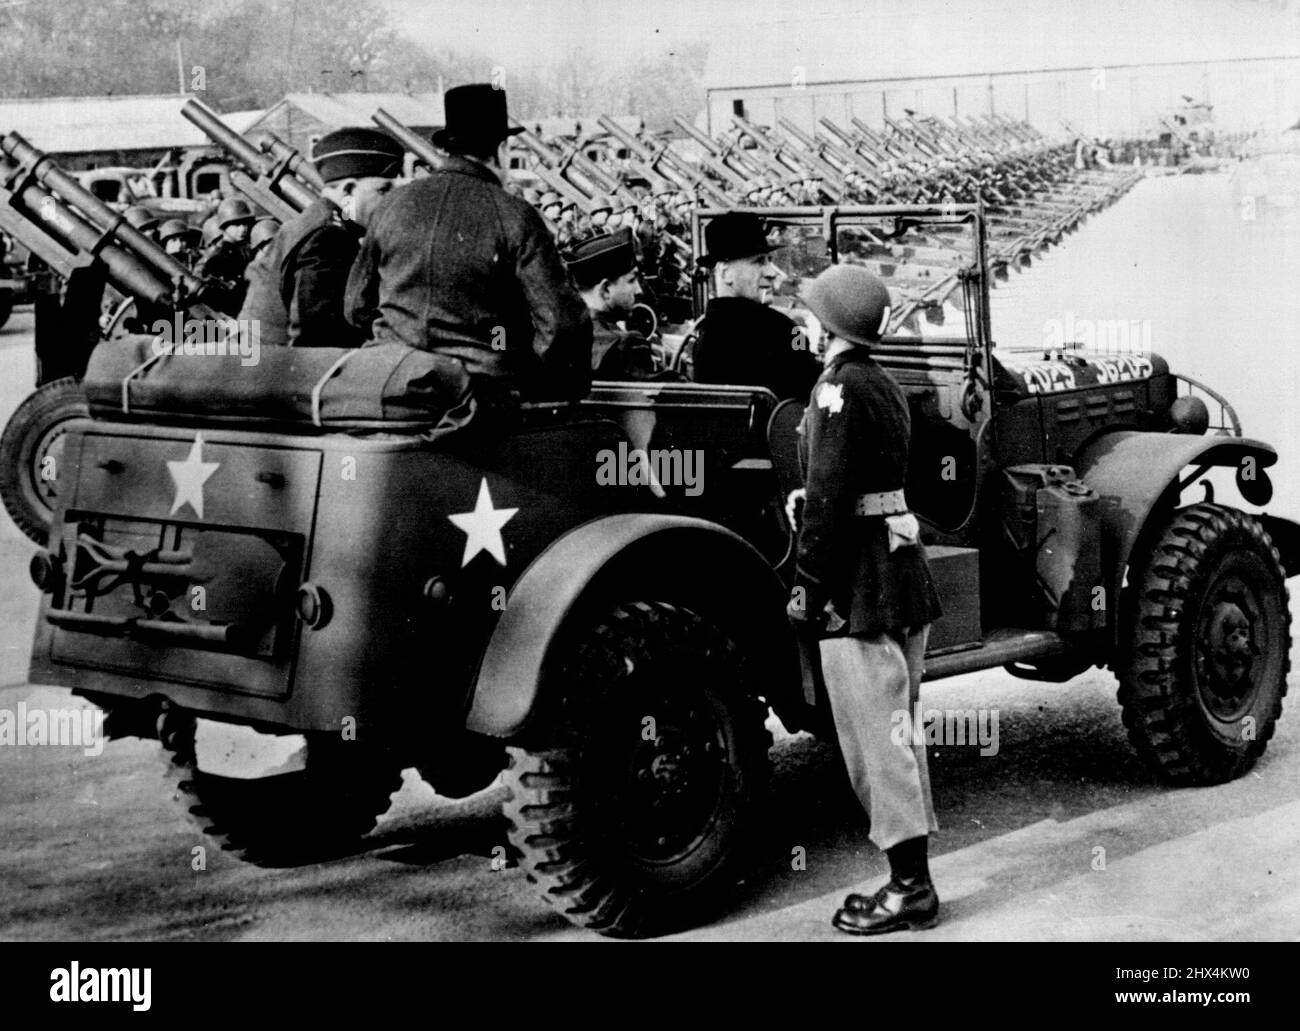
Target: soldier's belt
[{"x": 882, "y": 503}]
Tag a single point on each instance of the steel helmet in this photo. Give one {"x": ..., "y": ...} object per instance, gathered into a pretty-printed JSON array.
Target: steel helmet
[
  {"x": 233, "y": 209},
  {"x": 174, "y": 227},
  {"x": 601, "y": 203},
  {"x": 141, "y": 218},
  {"x": 210, "y": 230},
  {"x": 264, "y": 230},
  {"x": 850, "y": 302}
]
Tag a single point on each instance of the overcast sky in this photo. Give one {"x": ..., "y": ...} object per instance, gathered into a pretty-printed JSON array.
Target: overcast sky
[{"x": 533, "y": 32}]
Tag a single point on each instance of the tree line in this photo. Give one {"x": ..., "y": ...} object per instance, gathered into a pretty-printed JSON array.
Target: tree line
[{"x": 253, "y": 52}]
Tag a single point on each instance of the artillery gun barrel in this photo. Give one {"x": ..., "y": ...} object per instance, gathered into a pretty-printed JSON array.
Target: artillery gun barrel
[
  {"x": 424, "y": 150},
  {"x": 293, "y": 159},
  {"x": 556, "y": 164},
  {"x": 273, "y": 174},
  {"x": 717, "y": 157},
  {"x": 42, "y": 168},
  {"x": 688, "y": 175},
  {"x": 82, "y": 241},
  {"x": 801, "y": 162}
]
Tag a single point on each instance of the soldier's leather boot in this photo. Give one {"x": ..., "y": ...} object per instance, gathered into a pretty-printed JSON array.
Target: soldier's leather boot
[{"x": 897, "y": 906}]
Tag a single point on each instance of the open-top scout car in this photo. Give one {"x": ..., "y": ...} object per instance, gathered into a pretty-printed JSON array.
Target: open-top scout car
[{"x": 299, "y": 548}]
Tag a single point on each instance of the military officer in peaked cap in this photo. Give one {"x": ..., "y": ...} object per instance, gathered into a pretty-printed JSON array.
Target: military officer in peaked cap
[
  {"x": 862, "y": 583},
  {"x": 605, "y": 271},
  {"x": 296, "y": 286}
]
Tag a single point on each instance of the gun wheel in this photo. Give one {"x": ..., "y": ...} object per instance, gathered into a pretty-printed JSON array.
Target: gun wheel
[
  {"x": 312, "y": 814},
  {"x": 31, "y": 455},
  {"x": 1207, "y": 649},
  {"x": 641, "y": 814}
]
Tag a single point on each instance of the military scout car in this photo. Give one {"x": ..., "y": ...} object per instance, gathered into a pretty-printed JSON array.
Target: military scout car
[{"x": 294, "y": 548}]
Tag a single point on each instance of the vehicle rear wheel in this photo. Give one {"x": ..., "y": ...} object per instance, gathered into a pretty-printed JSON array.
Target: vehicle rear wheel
[
  {"x": 640, "y": 813},
  {"x": 6, "y": 307},
  {"x": 1207, "y": 646},
  {"x": 31, "y": 454},
  {"x": 311, "y": 814}
]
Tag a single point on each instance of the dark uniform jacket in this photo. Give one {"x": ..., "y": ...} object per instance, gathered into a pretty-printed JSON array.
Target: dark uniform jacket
[
  {"x": 854, "y": 440},
  {"x": 618, "y": 353},
  {"x": 226, "y": 262},
  {"x": 743, "y": 341},
  {"x": 296, "y": 285},
  {"x": 453, "y": 263}
]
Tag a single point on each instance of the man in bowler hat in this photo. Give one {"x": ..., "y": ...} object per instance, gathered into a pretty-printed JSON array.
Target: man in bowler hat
[
  {"x": 741, "y": 339},
  {"x": 295, "y": 286},
  {"x": 454, "y": 264}
]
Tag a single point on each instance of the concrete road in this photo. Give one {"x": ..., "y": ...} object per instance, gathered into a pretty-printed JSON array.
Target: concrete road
[{"x": 1062, "y": 834}]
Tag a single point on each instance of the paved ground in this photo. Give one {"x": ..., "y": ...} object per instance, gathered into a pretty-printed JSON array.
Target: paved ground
[{"x": 1062, "y": 834}]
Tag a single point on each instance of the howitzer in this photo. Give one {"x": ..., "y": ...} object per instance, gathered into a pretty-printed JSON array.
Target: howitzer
[
  {"x": 276, "y": 188},
  {"x": 799, "y": 163},
  {"x": 423, "y": 150},
  {"x": 732, "y": 167},
  {"x": 33, "y": 167},
  {"x": 556, "y": 166},
  {"x": 296, "y": 163},
  {"x": 675, "y": 167}
]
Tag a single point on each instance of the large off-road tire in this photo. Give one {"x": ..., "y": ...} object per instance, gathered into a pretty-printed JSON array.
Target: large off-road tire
[
  {"x": 640, "y": 812},
  {"x": 1206, "y": 646},
  {"x": 309, "y": 815},
  {"x": 31, "y": 466}
]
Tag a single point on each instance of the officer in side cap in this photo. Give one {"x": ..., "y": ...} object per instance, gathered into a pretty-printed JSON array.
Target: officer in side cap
[
  {"x": 453, "y": 264},
  {"x": 604, "y": 269},
  {"x": 741, "y": 339},
  {"x": 297, "y": 284}
]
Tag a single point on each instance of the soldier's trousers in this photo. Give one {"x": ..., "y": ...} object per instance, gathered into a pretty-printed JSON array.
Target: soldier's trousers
[{"x": 873, "y": 684}]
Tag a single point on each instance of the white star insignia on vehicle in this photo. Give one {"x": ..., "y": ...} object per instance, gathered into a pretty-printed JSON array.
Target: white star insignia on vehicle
[
  {"x": 482, "y": 527},
  {"x": 190, "y": 476},
  {"x": 831, "y": 397}
]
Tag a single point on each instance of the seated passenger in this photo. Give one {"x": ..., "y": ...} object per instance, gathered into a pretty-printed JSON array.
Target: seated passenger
[
  {"x": 454, "y": 264},
  {"x": 740, "y": 339},
  {"x": 296, "y": 286},
  {"x": 604, "y": 269}
]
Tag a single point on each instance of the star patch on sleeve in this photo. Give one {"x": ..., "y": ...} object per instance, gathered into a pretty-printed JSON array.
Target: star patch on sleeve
[{"x": 831, "y": 397}]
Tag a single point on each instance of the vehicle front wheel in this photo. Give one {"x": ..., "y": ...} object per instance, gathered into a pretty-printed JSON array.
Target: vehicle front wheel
[
  {"x": 639, "y": 814},
  {"x": 1206, "y": 646},
  {"x": 31, "y": 454}
]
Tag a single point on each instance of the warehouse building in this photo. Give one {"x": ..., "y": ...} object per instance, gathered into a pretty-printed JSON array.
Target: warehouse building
[{"x": 1108, "y": 68}]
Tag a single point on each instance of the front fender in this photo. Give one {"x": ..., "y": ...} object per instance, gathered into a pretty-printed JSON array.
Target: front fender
[
  {"x": 628, "y": 557},
  {"x": 1133, "y": 472}
]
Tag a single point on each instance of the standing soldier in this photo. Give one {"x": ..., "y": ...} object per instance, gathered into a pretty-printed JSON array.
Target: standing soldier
[
  {"x": 453, "y": 264},
  {"x": 226, "y": 258},
  {"x": 296, "y": 288},
  {"x": 180, "y": 240},
  {"x": 862, "y": 582}
]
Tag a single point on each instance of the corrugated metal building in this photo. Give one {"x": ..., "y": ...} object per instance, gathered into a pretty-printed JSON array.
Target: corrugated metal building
[
  {"x": 1108, "y": 67},
  {"x": 300, "y": 119},
  {"x": 95, "y": 132}
]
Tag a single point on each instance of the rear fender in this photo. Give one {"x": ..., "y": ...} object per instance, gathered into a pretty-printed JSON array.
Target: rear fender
[
  {"x": 649, "y": 557},
  {"x": 1138, "y": 473}
]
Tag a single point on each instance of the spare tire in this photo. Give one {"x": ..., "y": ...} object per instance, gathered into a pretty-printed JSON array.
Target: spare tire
[{"x": 31, "y": 449}]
